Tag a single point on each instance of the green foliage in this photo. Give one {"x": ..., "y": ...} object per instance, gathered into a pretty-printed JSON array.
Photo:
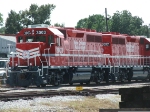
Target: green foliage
[
  {"x": 13, "y": 24},
  {"x": 59, "y": 25},
  {"x": 35, "y": 15},
  {"x": 1, "y": 19},
  {"x": 92, "y": 22},
  {"x": 2, "y": 30},
  {"x": 122, "y": 22}
]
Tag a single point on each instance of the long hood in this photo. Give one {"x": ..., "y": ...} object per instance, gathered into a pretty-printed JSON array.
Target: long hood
[{"x": 28, "y": 50}]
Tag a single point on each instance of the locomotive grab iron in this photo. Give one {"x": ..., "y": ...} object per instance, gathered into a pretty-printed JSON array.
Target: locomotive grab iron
[{"x": 51, "y": 55}]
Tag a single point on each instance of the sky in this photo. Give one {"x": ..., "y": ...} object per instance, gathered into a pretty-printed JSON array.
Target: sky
[{"x": 69, "y": 12}]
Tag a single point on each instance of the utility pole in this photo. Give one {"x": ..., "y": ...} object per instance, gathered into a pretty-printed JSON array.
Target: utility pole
[{"x": 106, "y": 19}]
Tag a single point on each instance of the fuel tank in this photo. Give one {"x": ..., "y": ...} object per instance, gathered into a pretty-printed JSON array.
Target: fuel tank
[
  {"x": 140, "y": 74},
  {"x": 81, "y": 76},
  {"x": 83, "y": 69}
]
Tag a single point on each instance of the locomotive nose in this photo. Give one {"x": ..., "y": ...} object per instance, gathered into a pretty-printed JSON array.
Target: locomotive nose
[{"x": 29, "y": 50}]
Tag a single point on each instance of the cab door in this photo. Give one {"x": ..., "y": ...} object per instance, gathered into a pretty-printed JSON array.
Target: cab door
[
  {"x": 59, "y": 51},
  {"x": 142, "y": 47},
  {"x": 107, "y": 49},
  {"x": 107, "y": 44}
]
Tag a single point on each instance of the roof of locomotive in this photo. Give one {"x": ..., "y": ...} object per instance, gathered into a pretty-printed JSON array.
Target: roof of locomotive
[
  {"x": 54, "y": 30},
  {"x": 148, "y": 39},
  {"x": 115, "y": 34}
]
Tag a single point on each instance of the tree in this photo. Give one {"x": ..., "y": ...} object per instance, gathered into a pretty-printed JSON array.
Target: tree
[
  {"x": 13, "y": 24},
  {"x": 144, "y": 30},
  {"x": 1, "y": 19},
  {"x": 125, "y": 23},
  {"x": 59, "y": 25},
  {"x": 82, "y": 23},
  {"x": 96, "y": 22},
  {"x": 35, "y": 15},
  {"x": 2, "y": 30},
  {"x": 122, "y": 22}
]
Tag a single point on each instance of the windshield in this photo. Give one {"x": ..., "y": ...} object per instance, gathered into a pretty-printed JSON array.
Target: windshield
[
  {"x": 36, "y": 38},
  {"x": 29, "y": 39},
  {"x": 40, "y": 38},
  {"x": 2, "y": 64}
]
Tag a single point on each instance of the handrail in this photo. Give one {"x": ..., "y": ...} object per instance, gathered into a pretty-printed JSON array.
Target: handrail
[
  {"x": 47, "y": 61},
  {"x": 107, "y": 58}
]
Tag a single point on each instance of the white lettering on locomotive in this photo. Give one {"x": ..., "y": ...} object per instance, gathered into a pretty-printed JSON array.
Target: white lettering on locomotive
[
  {"x": 41, "y": 32},
  {"x": 105, "y": 44},
  {"x": 79, "y": 45},
  {"x": 27, "y": 33},
  {"x": 132, "y": 47},
  {"x": 32, "y": 32},
  {"x": 59, "y": 50}
]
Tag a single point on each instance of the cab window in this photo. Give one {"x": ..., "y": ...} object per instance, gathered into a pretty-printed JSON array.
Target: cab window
[
  {"x": 147, "y": 47},
  {"x": 58, "y": 41},
  {"x": 40, "y": 38},
  {"x": 50, "y": 39},
  {"x": 20, "y": 39},
  {"x": 29, "y": 39}
]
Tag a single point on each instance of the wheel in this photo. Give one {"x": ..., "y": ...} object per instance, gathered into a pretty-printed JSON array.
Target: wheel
[
  {"x": 88, "y": 82},
  {"x": 122, "y": 75},
  {"x": 26, "y": 86},
  {"x": 71, "y": 83},
  {"x": 81, "y": 83},
  {"x": 106, "y": 74},
  {"x": 99, "y": 77},
  {"x": 148, "y": 76},
  {"x": 38, "y": 86},
  {"x": 56, "y": 83},
  {"x": 113, "y": 78},
  {"x": 43, "y": 85},
  {"x": 129, "y": 75}
]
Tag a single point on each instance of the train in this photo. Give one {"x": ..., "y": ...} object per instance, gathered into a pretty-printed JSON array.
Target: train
[{"x": 48, "y": 55}]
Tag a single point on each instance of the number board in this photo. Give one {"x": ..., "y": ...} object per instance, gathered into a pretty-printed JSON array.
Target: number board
[
  {"x": 105, "y": 44},
  {"x": 41, "y": 32},
  {"x": 27, "y": 32}
]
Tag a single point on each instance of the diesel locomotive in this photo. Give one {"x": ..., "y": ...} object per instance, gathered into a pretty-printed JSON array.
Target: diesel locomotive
[{"x": 47, "y": 55}]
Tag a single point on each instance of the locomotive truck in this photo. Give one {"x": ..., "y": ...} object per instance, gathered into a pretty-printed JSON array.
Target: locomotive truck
[{"x": 47, "y": 55}]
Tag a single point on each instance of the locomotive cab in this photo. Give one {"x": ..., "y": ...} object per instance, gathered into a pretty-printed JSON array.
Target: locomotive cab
[{"x": 33, "y": 47}]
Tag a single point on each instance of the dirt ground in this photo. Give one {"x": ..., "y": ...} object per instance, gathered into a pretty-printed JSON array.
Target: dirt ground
[{"x": 64, "y": 104}]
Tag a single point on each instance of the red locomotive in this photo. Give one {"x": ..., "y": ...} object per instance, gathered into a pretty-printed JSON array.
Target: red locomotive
[{"x": 50, "y": 55}]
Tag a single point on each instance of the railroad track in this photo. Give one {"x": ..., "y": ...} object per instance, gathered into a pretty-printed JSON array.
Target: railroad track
[
  {"x": 97, "y": 85},
  {"x": 9, "y": 96}
]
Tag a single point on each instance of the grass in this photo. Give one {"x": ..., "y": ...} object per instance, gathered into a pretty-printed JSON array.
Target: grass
[
  {"x": 92, "y": 104},
  {"x": 16, "y": 110}
]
